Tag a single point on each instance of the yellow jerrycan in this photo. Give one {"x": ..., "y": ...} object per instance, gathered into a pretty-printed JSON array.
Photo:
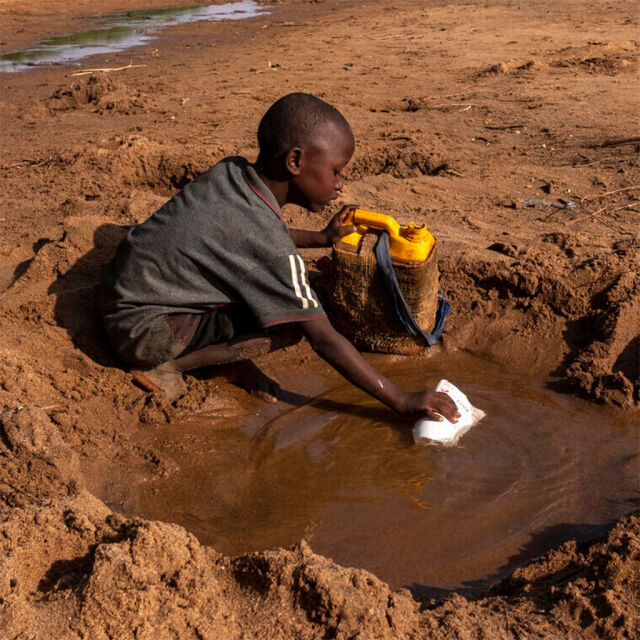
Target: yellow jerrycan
[
  {"x": 410, "y": 243},
  {"x": 359, "y": 305}
]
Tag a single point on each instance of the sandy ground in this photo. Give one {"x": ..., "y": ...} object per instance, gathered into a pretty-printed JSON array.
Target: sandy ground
[{"x": 461, "y": 110}]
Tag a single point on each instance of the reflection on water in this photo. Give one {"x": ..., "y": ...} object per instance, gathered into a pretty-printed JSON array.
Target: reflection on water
[
  {"x": 342, "y": 472},
  {"x": 121, "y": 31}
]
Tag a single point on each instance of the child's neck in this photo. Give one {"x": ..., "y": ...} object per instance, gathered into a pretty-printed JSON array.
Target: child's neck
[{"x": 277, "y": 186}]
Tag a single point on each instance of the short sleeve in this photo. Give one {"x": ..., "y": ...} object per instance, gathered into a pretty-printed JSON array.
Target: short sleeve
[{"x": 278, "y": 292}]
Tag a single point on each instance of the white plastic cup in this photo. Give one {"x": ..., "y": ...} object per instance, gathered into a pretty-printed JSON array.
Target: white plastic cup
[{"x": 445, "y": 432}]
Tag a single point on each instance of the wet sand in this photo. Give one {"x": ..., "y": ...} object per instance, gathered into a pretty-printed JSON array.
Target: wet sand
[{"x": 461, "y": 112}]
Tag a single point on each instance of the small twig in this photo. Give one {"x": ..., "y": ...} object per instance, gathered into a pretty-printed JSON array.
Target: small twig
[
  {"x": 592, "y": 214},
  {"x": 610, "y": 193},
  {"x": 269, "y": 67},
  {"x": 599, "y": 211},
  {"x": 86, "y": 72},
  {"x": 617, "y": 142},
  {"x": 504, "y": 126},
  {"x": 588, "y": 164},
  {"x": 30, "y": 163},
  {"x": 466, "y": 105},
  {"x": 133, "y": 404}
]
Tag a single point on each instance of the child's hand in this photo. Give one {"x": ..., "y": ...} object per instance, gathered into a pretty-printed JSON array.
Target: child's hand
[
  {"x": 429, "y": 404},
  {"x": 336, "y": 228}
]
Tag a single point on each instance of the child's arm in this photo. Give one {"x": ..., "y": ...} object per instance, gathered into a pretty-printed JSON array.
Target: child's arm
[
  {"x": 343, "y": 356},
  {"x": 335, "y": 230}
]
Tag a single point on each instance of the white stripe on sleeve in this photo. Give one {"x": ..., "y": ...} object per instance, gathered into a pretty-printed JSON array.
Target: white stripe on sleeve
[
  {"x": 296, "y": 284},
  {"x": 305, "y": 284}
]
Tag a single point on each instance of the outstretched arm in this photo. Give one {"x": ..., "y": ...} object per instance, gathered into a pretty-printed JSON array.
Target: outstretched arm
[
  {"x": 344, "y": 357},
  {"x": 335, "y": 230}
]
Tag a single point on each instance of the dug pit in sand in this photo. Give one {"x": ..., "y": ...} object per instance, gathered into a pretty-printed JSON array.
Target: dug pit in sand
[
  {"x": 341, "y": 473},
  {"x": 546, "y": 291}
]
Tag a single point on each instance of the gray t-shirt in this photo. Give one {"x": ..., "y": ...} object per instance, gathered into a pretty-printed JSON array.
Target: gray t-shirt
[{"x": 220, "y": 240}]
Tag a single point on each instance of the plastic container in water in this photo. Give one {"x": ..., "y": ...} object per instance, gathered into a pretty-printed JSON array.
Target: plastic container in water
[{"x": 444, "y": 432}]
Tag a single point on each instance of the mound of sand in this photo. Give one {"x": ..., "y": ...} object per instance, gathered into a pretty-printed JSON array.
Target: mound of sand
[
  {"x": 105, "y": 576},
  {"x": 595, "y": 57},
  {"x": 101, "y": 93},
  {"x": 540, "y": 295}
]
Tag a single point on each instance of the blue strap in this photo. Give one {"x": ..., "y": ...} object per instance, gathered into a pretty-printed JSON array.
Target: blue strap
[{"x": 398, "y": 302}]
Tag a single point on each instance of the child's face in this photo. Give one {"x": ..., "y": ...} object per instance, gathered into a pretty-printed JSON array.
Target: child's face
[{"x": 318, "y": 180}]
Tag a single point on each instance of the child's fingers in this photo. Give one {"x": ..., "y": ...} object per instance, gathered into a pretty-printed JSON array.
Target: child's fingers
[
  {"x": 342, "y": 214},
  {"x": 345, "y": 230},
  {"x": 444, "y": 405}
]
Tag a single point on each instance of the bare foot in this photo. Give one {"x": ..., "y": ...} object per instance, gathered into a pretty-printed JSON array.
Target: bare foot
[
  {"x": 248, "y": 376},
  {"x": 164, "y": 378}
]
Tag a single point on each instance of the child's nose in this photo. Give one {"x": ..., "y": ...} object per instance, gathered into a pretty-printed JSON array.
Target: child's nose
[{"x": 339, "y": 184}]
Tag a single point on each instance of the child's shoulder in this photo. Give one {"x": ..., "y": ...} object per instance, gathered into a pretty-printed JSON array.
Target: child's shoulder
[{"x": 231, "y": 164}]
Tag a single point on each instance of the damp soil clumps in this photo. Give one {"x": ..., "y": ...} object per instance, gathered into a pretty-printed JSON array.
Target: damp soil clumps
[
  {"x": 100, "y": 93},
  {"x": 451, "y": 133}
]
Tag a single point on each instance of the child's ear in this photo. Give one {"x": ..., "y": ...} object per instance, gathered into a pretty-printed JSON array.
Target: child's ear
[{"x": 293, "y": 160}]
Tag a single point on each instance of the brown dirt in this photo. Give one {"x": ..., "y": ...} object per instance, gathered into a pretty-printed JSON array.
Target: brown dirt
[{"x": 458, "y": 120}]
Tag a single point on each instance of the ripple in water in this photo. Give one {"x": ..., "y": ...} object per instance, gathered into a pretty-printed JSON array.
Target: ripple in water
[{"x": 342, "y": 472}]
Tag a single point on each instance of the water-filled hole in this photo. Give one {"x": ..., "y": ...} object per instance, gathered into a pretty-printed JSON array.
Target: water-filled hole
[{"x": 342, "y": 472}]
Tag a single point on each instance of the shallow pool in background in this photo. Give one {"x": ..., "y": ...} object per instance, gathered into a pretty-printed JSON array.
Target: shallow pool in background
[
  {"x": 122, "y": 31},
  {"x": 342, "y": 472}
]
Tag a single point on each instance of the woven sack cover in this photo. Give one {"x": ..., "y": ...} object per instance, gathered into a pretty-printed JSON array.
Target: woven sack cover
[{"x": 358, "y": 304}]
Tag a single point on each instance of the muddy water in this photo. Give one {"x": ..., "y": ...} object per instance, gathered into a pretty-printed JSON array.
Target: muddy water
[
  {"x": 342, "y": 472},
  {"x": 119, "y": 32}
]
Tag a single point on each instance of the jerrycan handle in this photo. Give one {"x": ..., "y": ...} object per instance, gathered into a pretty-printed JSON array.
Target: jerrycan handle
[
  {"x": 373, "y": 219},
  {"x": 410, "y": 243}
]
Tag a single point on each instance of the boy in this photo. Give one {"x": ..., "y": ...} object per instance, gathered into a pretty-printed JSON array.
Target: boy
[{"x": 214, "y": 275}]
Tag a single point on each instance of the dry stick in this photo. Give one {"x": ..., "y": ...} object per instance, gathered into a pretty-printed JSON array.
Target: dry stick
[
  {"x": 607, "y": 223},
  {"x": 451, "y": 104},
  {"x": 599, "y": 211},
  {"x": 610, "y": 193},
  {"x": 85, "y": 72},
  {"x": 133, "y": 404},
  {"x": 616, "y": 142},
  {"x": 30, "y": 163},
  {"x": 504, "y": 126}
]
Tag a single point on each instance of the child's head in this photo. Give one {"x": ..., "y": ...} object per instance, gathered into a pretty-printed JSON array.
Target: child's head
[{"x": 305, "y": 142}]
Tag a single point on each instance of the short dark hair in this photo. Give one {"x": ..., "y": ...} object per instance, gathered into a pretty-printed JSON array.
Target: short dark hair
[{"x": 292, "y": 121}]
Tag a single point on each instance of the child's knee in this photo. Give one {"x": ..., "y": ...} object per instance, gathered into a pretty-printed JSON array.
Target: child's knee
[{"x": 285, "y": 335}]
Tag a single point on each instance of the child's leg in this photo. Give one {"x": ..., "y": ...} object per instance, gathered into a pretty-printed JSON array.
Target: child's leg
[{"x": 167, "y": 377}]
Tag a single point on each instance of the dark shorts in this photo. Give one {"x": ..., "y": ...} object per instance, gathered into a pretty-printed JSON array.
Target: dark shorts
[
  {"x": 173, "y": 335},
  {"x": 193, "y": 331}
]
